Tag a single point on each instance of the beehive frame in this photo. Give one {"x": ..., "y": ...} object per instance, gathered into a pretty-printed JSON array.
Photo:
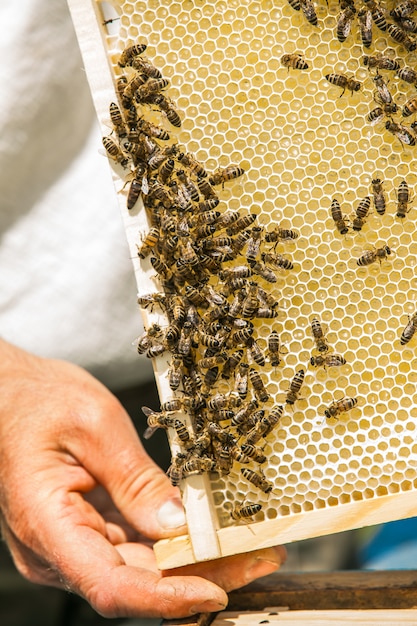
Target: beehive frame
[{"x": 301, "y": 145}]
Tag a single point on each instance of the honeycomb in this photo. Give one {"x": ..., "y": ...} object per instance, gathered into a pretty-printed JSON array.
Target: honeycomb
[{"x": 303, "y": 142}]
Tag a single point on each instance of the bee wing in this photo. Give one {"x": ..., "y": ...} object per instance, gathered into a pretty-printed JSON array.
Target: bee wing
[
  {"x": 149, "y": 431},
  {"x": 147, "y": 411}
]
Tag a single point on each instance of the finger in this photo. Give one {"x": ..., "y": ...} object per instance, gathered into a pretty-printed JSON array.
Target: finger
[
  {"x": 117, "y": 588},
  {"x": 238, "y": 570}
]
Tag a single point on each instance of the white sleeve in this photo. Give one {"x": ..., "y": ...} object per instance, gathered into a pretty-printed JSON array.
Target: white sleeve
[{"x": 67, "y": 287}]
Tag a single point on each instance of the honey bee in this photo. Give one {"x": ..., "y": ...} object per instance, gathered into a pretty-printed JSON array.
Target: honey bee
[
  {"x": 240, "y": 241},
  {"x": 209, "y": 380},
  {"x": 253, "y": 453},
  {"x": 407, "y": 74},
  {"x": 261, "y": 429},
  {"x": 171, "y": 405},
  {"x": 175, "y": 373},
  {"x": 383, "y": 93},
  {"x": 223, "y": 458},
  {"x": 295, "y": 4},
  {"x": 257, "y": 479},
  {"x": 258, "y": 385},
  {"x": 121, "y": 84},
  {"x": 408, "y": 25},
  {"x": 337, "y": 216},
  {"x": 156, "y": 420},
  {"x": 273, "y": 418},
  {"x": 409, "y": 330},
  {"x": 381, "y": 63},
  {"x": 217, "y": 402},
  {"x": 309, "y": 11},
  {"x": 361, "y": 212},
  {"x": 402, "y": 133},
  {"x": 371, "y": 256},
  {"x": 378, "y": 196},
  {"x": 294, "y": 61},
  {"x": 344, "y": 23},
  {"x": 138, "y": 185},
  {"x": 156, "y": 160},
  {"x": 155, "y": 350},
  {"x": 225, "y": 174},
  {"x": 250, "y": 303},
  {"x": 410, "y": 107},
  {"x": 274, "y": 349},
  {"x": 142, "y": 64},
  {"x": 403, "y": 9},
  {"x": 147, "y": 92},
  {"x": 277, "y": 260},
  {"x": 239, "y": 271},
  {"x": 115, "y": 152},
  {"x": 365, "y": 27},
  {"x": 343, "y": 81},
  {"x": 152, "y": 130},
  {"x": 130, "y": 89},
  {"x": 318, "y": 335},
  {"x": 231, "y": 363},
  {"x": 255, "y": 352},
  {"x": 403, "y": 199},
  {"x": 175, "y": 470},
  {"x": 400, "y": 36},
  {"x": 266, "y": 313},
  {"x": 241, "y": 223},
  {"x": 117, "y": 120},
  {"x": 149, "y": 300},
  {"x": 330, "y": 360},
  {"x": 280, "y": 234},
  {"x": 295, "y": 386},
  {"x": 263, "y": 270},
  {"x": 150, "y": 241},
  {"x": 130, "y": 53},
  {"x": 198, "y": 465},
  {"x": 172, "y": 335},
  {"x": 148, "y": 338},
  {"x": 141, "y": 149},
  {"x": 168, "y": 108},
  {"x": 378, "y": 14},
  {"x": 244, "y": 413},
  {"x": 183, "y": 433},
  {"x": 161, "y": 268},
  {"x": 241, "y": 380},
  {"x": 211, "y": 200},
  {"x": 376, "y": 115},
  {"x": 244, "y": 510},
  {"x": 340, "y": 406}
]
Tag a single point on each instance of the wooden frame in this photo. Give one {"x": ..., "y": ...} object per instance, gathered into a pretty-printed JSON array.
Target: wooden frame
[{"x": 206, "y": 540}]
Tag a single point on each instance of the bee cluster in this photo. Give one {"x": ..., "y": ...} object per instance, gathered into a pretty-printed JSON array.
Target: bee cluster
[
  {"x": 213, "y": 266},
  {"x": 362, "y": 210},
  {"x": 398, "y": 25}
]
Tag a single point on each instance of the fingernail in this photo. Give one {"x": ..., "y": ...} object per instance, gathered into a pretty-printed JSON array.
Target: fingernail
[
  {"x": 261, "y": 567},
  {"x": 209, "y": 606},
  {"x": 171, "y": 514}
]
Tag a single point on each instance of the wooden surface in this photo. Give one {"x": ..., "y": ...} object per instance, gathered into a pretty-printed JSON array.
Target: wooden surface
[
  {"x": 330, "y": 590},
  {"x": 390, "y": 617},
  {"x": 358, "y": 597}
]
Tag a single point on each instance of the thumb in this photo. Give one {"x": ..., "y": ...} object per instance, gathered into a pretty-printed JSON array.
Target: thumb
[{"x": 141, "y": 491}]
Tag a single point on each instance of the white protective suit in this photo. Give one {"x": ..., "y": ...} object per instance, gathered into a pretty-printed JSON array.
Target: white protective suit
[{"x": 67, "y": 286}]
